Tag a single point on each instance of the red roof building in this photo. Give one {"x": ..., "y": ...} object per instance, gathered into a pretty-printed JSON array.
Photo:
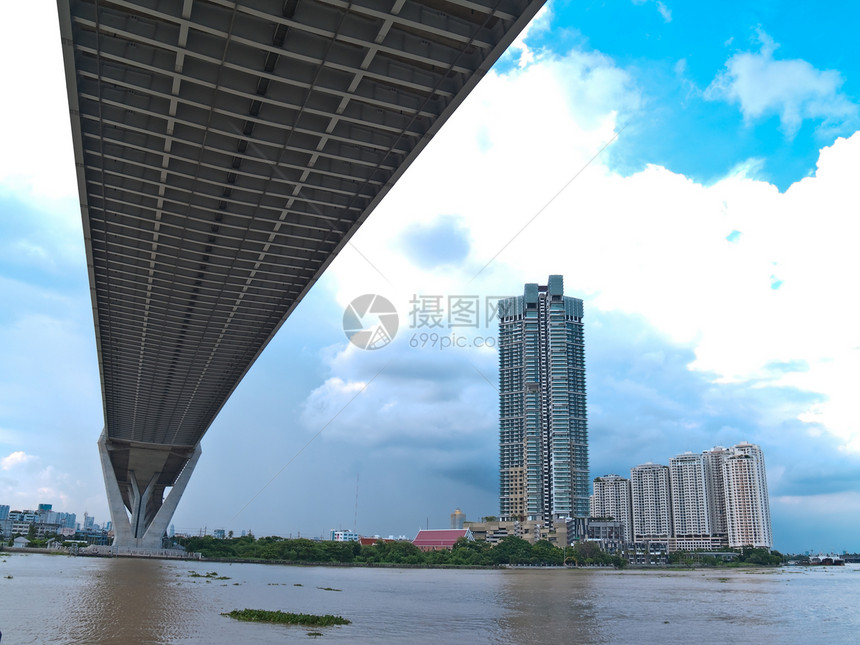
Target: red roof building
[
  {"x": 438, "y": 539},
  {"x": 371, "y": 541}
]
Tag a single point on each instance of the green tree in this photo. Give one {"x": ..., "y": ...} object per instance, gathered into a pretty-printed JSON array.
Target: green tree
[
  {"x": 585, "y": 552},
  {"x": 512, "y": 550},
  {"x": 470, "y": 552},
  {"x": 543, "y": 552}
]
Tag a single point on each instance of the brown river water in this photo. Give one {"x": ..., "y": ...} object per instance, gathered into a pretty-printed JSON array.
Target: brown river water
[{"x": 61, "y": 599}]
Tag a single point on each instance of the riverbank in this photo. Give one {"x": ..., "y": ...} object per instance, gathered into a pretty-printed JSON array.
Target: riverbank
[{"x": 107, "y": 552}]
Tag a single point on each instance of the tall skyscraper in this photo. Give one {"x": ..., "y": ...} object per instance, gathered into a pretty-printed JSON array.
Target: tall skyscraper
[
  {"x": 543, "y": 433},
  {"x": 652, "y": 504},
  {"x": 611, "y": 498},
  {"x": 715, "y": 488},
  {"x": 690, "y": 514},
  {"x": 747, "y": 501}
]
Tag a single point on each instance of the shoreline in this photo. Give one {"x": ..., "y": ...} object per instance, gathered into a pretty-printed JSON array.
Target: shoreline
[{"x": 387, "y": 565}]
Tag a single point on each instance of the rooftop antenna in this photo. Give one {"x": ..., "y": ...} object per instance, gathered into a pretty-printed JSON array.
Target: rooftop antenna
[{"x": 355, "y": 515}]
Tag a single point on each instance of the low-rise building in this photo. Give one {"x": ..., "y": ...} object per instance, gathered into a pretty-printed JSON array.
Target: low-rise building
[
  {"x": 440, "y": 539},
  {"x": 647, "y": 553},
  {"x": 492, "y": 531}
]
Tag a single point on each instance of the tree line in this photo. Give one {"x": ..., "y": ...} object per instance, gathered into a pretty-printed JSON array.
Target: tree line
[{"x": 511, "y": 550}]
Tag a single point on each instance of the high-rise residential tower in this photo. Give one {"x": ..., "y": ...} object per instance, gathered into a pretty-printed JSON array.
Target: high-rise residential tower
[
  {"x": 611, "y": 498},
  {"x": 651, "y": 502},
  {"x": 543, "y": 434},
  {"x": 715, "y": 488},
  {"x": 747, "y": 501},
  {"x": 690, "y": 516}
]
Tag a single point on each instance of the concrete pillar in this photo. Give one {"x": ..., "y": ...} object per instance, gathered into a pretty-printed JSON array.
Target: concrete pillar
[
  {"x": 118, "y": 515},
  {"x": 156, "y": 529},
  {"x": 134, "y": 531}
]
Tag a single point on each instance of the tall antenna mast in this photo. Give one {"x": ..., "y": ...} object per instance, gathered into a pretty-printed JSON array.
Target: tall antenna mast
[{"x": 355, "y": 516}]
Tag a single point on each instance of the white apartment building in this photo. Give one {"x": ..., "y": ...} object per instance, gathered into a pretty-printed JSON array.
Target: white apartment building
[
  {"x": 690, "y": 515},
  {"x": 651, "y": 502},
  {"x": 611, "y": 498},
  {"x": 747, "y": 502},
  {"x": 715, "y": 488}
]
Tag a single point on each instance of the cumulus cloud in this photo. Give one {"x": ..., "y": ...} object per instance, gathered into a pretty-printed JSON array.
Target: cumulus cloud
[
  {"x": 444, "y": 241},
  {"x": 43, "y": 161},
  {"x": 519, "y": 49},
  {"x": 408, "y": 395},
  {"x": 15, "y": 459},
  {"x": 762, "y": 85},
  {"x": 698, "y": 263}
]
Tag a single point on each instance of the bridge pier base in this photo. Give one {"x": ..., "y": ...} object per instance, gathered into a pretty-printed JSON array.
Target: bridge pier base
[{"x": 142, "y": 530}]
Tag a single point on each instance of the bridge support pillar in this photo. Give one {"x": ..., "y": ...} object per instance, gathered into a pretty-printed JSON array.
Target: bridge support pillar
[{"x": 142, "y": 530}]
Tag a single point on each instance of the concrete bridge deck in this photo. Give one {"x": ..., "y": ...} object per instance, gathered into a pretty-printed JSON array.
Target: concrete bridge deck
[{"x": 225, "y": 153}]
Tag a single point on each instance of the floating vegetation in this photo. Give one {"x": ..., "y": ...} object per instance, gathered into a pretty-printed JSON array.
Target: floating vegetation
[
  {"x": 212, "y": 575},
  {"x": 286, "y": 618},
  {"x": 329, "y": 589},
  {"x": 315, "y": 634}
]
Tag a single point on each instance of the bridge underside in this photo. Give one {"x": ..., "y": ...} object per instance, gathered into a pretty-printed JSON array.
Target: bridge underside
[{"x": 225, "y": 153}]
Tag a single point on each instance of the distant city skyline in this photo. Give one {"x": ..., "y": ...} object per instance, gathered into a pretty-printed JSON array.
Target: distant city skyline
[
  {"x": 701, "y": 501},
  {"x": 693, "y": 181}
]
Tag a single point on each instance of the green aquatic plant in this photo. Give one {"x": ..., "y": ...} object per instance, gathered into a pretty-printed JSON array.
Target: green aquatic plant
[
  {"x": 212, "y": 575},
  {"x": 286, "y": 618}
]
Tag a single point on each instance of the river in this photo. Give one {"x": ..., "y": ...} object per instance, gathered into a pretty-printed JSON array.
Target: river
[{"x": 61, "y": 599}]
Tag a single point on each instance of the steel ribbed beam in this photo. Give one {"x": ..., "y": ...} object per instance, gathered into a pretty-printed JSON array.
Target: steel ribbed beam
[{"x": 226, "y": 152}]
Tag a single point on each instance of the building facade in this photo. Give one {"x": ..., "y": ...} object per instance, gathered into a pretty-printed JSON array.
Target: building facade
[
  {"x": 690, "y": 515},
  {"x": 458, "y": 518},
  {"x": 747, "y": 501},
  {"x": 651, "y": 502},
  {"x": 611, "y": 500},
  {"x": 715, "y": 487},
  {"x": 543, "y": 433}
]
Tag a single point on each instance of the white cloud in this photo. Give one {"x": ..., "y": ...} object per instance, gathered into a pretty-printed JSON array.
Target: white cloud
[
  {"x": 652, "y": 244},
  {"x": 35, "y": 484},
  {"x": 824, "y": 504},
  {"x": 663, "y": 10},
  {"x": 792, "y": 89},
  {"x": 43, "y": 161},
  {"x": 406, "y": 395},
  {"x": 14, "y": 459},
  {"x": 540, "y": 23}
]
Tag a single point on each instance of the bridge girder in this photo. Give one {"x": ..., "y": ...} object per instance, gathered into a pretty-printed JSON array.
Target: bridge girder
[{"x": 225, "y": 152}]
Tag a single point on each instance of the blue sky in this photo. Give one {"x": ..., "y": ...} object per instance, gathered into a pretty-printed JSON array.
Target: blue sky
[{"x": 713, "y": 242}]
